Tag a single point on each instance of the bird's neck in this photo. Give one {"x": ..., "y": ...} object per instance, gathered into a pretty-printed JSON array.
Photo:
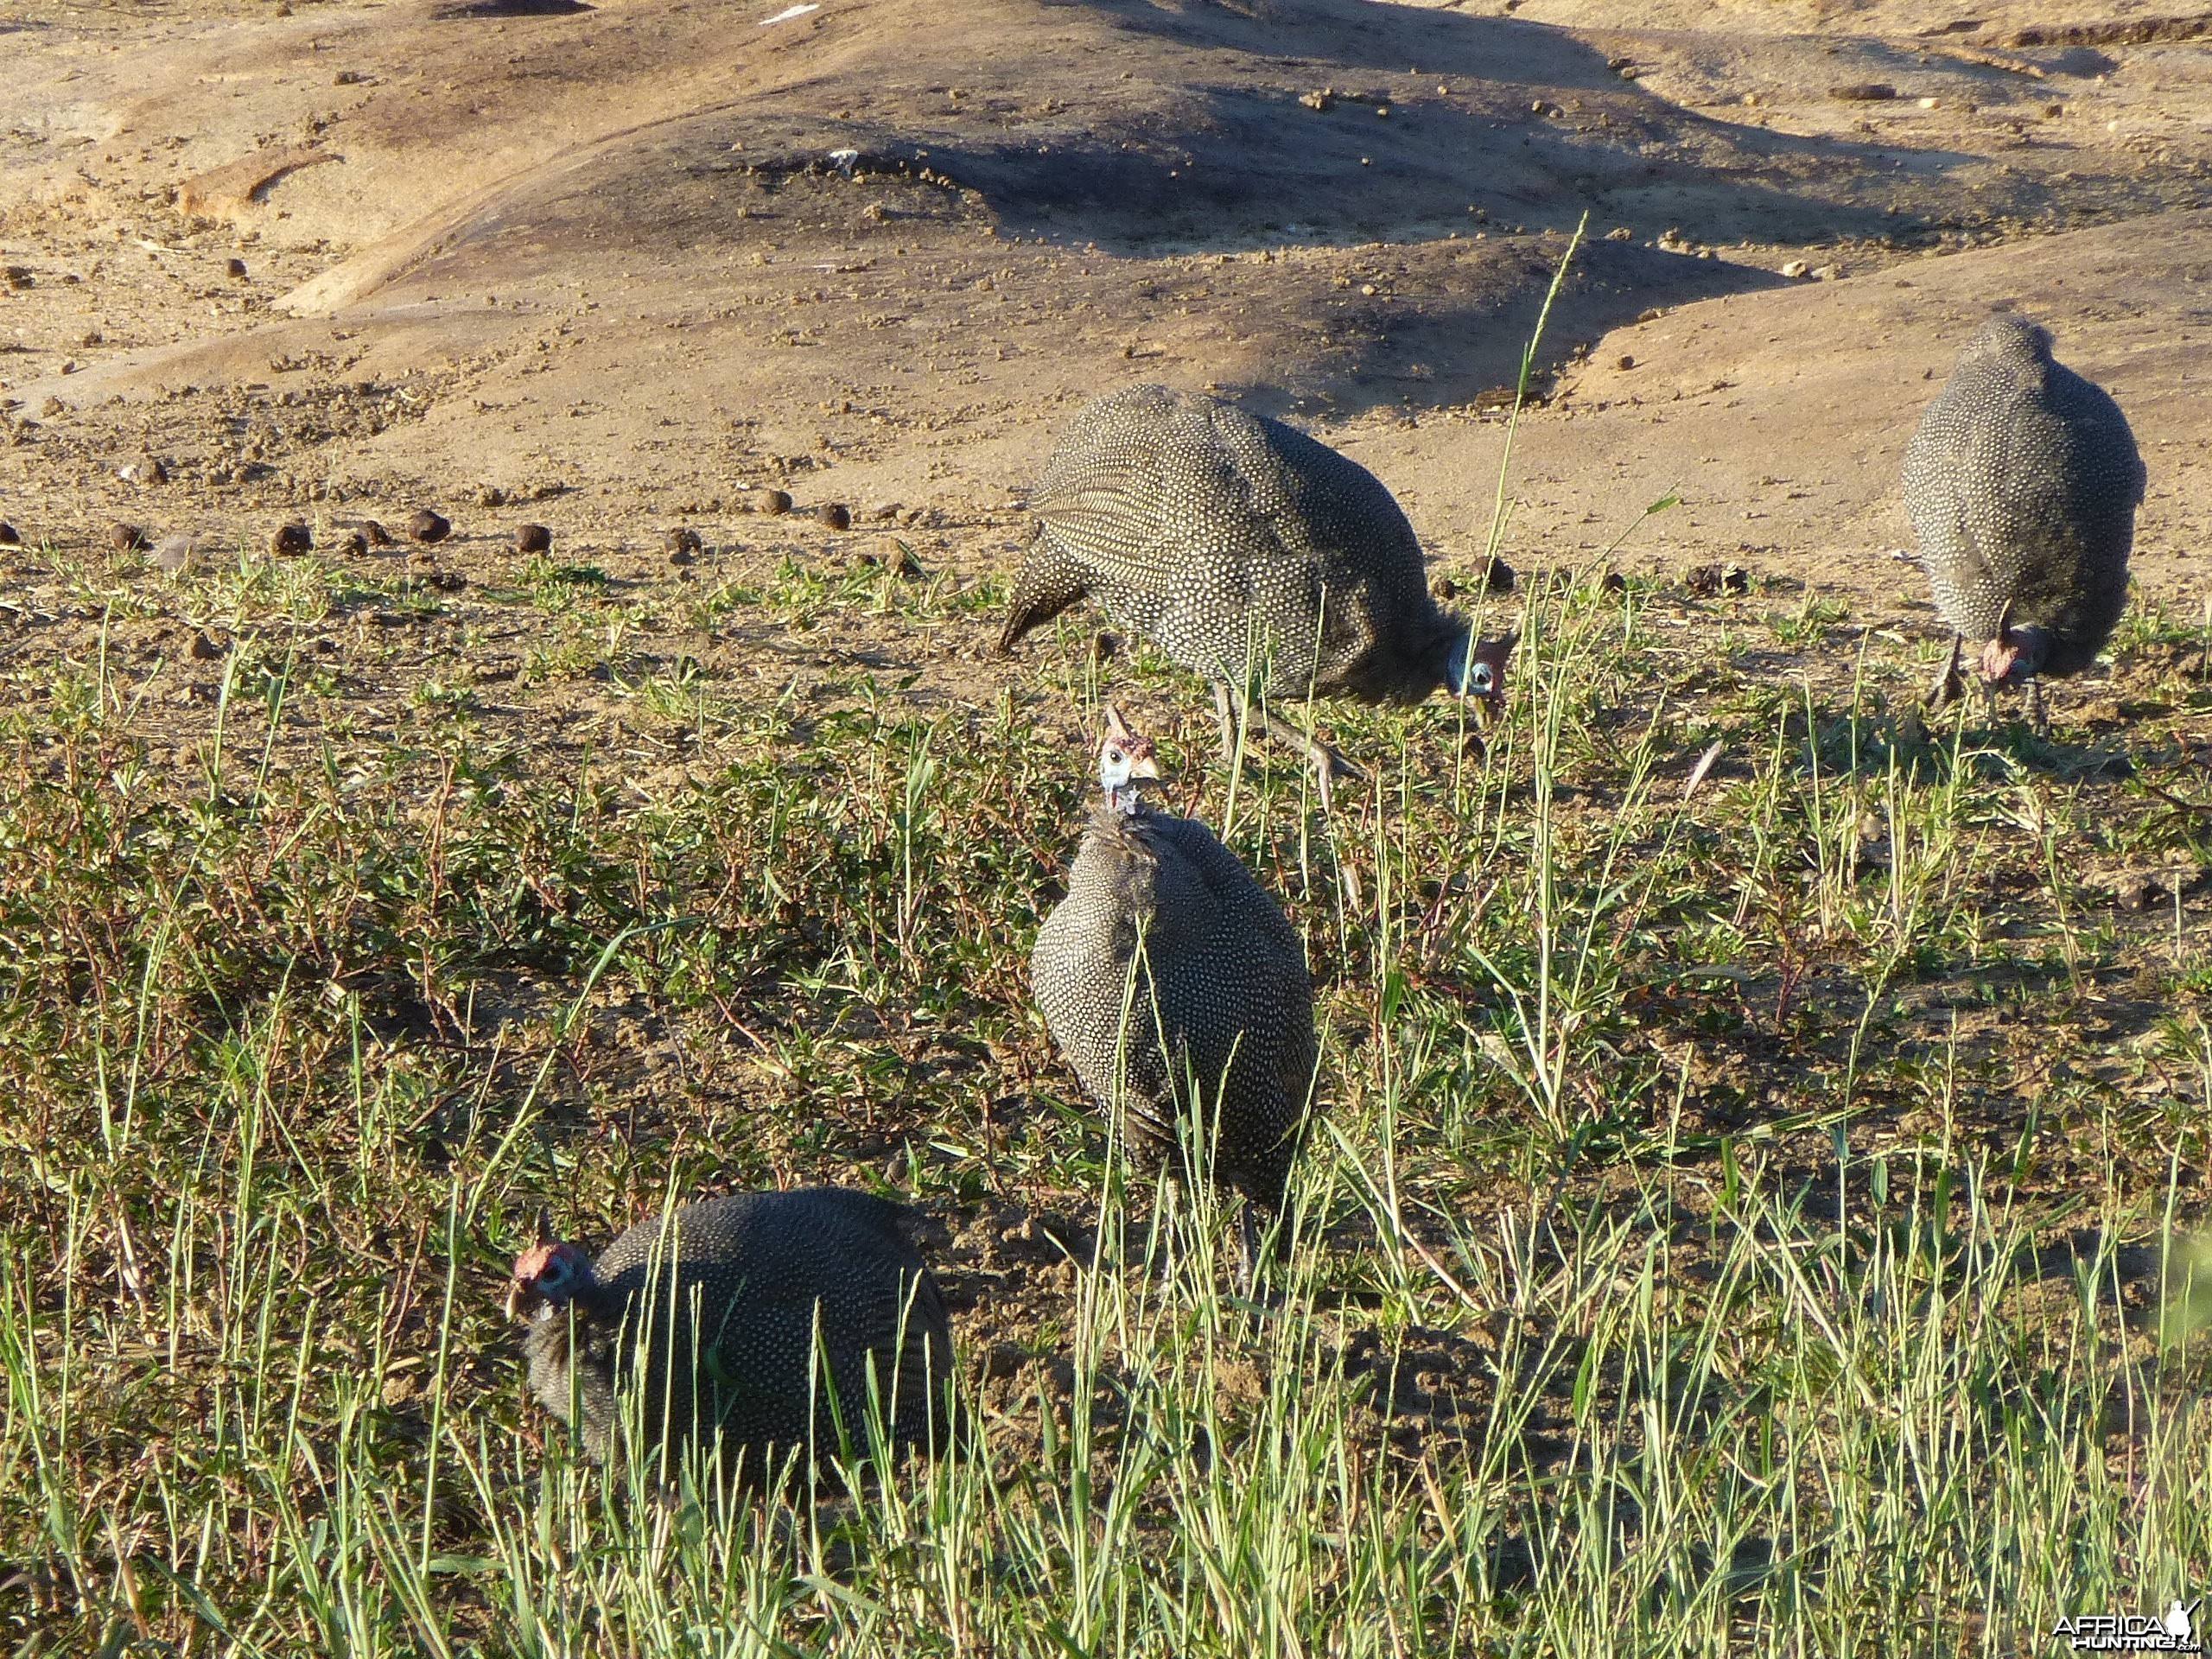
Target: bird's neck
[
  {"x": 1458, "y": 661},
  {"x": 582, "y": 1302}
]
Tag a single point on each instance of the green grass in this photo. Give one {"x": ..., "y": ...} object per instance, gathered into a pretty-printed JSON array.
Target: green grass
[{"x": 1759, "y": 1224}]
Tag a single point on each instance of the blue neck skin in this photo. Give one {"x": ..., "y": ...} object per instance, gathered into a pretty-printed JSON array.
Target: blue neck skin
[{"x": 1459, "y": 663}]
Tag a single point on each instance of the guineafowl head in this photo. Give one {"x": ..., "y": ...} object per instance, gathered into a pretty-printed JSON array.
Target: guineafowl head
[
  {"x": 2015, "y": 654},
  {"x": 548, "y": 1277},
  {"x": 1125, "y": 759},
  {"x": 1476, "y": 669}
]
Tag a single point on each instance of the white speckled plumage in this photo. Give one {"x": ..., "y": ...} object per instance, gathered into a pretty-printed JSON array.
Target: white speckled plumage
[
  {"x": 1175, "y": 986},
  {"x": 750, "y": 1274},
  {"x": 2023, "y": 480},
  {"x": 1236, "y": 543}
]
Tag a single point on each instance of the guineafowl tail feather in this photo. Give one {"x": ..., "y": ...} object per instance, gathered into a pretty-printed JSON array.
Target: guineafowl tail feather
[{"x": 1050, "y": 581}]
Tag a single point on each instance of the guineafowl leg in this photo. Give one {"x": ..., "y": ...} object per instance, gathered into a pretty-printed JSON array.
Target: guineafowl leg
[
  {"x": 1948, "y": 684},
  {"x": 1328, "y": 764},
  {"x": 1248, "y": 1266},
  {"x": 1224, "y": 711},
  {"x": 2039, "y": 716}
]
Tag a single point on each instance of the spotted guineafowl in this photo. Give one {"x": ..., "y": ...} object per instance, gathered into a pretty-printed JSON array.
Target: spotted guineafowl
[
  {"x": 754, "y": 1277},
  {"x": 1178, "y": 992},
  {"x": 1249, "y": 553},
  {"x": 2023, "y": 481}
]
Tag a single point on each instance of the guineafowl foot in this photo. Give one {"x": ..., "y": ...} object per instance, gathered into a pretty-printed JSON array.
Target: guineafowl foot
[
  {"x": 1260, "y": 728},
  {"x": 1328, "y": 766},
  {"x": 1950, "y": 683}
]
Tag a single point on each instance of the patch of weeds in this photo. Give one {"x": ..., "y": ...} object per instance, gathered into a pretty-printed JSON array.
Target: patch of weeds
[{"x": 552, "y": 584}]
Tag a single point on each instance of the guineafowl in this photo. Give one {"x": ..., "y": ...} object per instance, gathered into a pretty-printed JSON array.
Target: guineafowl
[
  {"x": 1249, "y": 553},
  {"x": 2023, "y": 481},
  {"x": 1178, "y": 992},
  {"x": 738, "y": 1289}
]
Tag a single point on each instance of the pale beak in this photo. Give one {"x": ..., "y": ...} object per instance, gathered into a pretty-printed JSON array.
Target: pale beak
[
  {"x": 1144, "y": 766},
  {"x": 515, "y": 1289}
]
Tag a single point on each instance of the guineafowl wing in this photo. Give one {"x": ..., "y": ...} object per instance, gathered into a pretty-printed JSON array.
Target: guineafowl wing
[
  {"x": 1947, "y": 450},
  {"x": 1148, "y": 481},
  {"x": 1231, "y": 975}
]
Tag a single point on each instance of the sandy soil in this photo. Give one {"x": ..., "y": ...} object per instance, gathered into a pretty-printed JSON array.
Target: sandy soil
[{"x": 639, "y": 257}]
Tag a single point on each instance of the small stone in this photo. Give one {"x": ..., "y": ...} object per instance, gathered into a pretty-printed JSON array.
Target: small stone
[
  {"x": 899, "y": 560},
  {"x": 767, "y": 500},
  {"x": 235, "y": 269},
  {"x": 51, "y": 407},
  {"x": 1444, "y": 590},
  {"x": 532, "y": 538},
  {"x": 291, "y": 540},
  {"x": 428, "y": 526},
  {"x": 1711, "y": 580},
  {"x": 1614, "y": 583},
  {"x": 205, "y": 648},
  {"x": 1498, "y": 576},
  {"x": 351, "y": 545},
  {"x": 176, "y": 554},
  {"x": 682, "y": 545},
  {"x": 377, "y": 534},
  {"x": 1863, "y": 91},
  {"x": 1320, "y": 101},
  {"x": 1104, "y": 647},
  {"x": 1827, "y": 273},
  {"x": 127, "y": 539},
  {"x": 835, "y": 514},
  {"x": 491, "y": 496},
  {"x": 1620, "y": 233},
  {"x": 1797, "y": 268},
  {"x": 7, "y": 536},
  {"x": 1624, "y": 361}
]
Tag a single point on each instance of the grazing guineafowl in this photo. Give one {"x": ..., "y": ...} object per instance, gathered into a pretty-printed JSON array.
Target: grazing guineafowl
[
  {"x": 1178, "y": 992},
  {"x": 754, "y": 1277},
  {"x": 1249, "y": 553},
  {"x": 2023, "y": 481}
]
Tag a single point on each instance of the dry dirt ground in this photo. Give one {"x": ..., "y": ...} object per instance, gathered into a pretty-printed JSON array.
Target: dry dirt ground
[
  {"x": 616, "y": 267},
  {"x": 646, "y": 255},
  {"x": 621, "y": 266}
]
